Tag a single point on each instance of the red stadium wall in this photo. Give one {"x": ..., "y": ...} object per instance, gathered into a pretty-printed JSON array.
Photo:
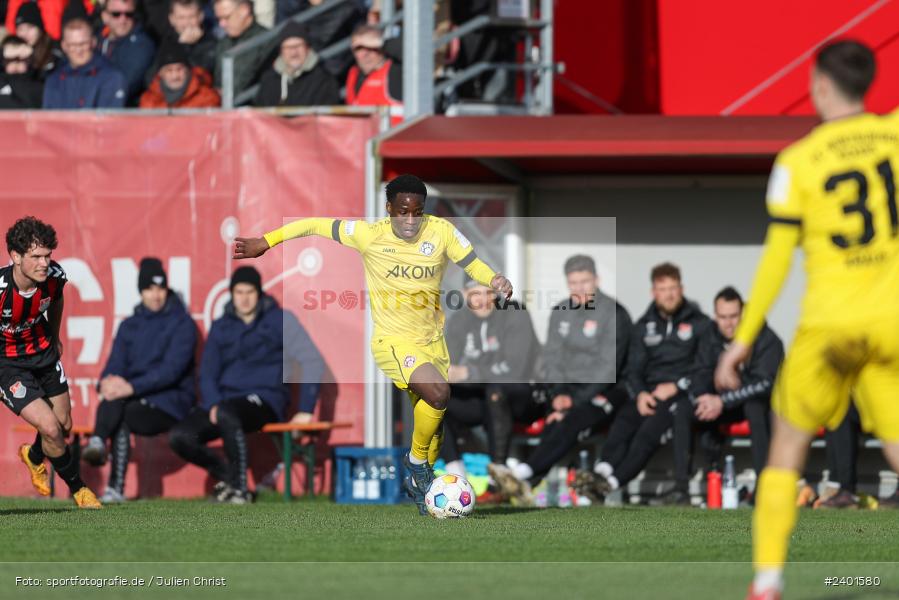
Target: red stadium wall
[
  {"x": 121, "y": 187},
  {"x": 707, "y": 57},
  {"x": 753, "y": 58}
]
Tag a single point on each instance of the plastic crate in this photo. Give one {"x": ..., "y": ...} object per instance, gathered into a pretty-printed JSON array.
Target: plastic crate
[{"x": 389, "y": 488}]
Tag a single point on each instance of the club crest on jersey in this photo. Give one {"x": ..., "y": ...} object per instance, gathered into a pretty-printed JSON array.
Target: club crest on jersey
[
  {"x": 18, "y": 390},
  {"x": 685, "y": 331},
  {"x": 44, "y": 305},
  {"x": 590, "y": 327},
  {"x": 409, "y": 362},
  {"x": 426, "y": 248}
]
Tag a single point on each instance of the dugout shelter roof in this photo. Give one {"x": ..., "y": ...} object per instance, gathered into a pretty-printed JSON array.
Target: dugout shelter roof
[{"x": 511, "y": 148}]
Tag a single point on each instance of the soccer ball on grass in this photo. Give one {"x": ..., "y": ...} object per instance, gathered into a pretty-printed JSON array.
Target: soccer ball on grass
[{"x": 450, "y": 497}]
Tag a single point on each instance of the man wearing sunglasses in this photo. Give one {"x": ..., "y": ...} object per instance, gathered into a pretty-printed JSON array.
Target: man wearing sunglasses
[{"x": 126, "y": 45}]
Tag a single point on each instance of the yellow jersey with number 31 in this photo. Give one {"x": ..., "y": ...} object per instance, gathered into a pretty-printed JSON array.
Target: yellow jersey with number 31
[{"x": 838, "y": 185}]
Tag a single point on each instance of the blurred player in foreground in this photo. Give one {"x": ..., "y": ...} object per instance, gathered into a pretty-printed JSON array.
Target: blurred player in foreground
[{"x": 834, "y": 193}]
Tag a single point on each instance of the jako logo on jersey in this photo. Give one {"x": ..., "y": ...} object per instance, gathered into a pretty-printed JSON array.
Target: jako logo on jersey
[
  {"x": 18, "y": 390},
  {"x": 409, "y": 362},
  {"x": 427, "y": 248},
  {"x": 7, "y": 313},
  {"x": 388, "y": 250},
  {"x": 416, "y": 272}
]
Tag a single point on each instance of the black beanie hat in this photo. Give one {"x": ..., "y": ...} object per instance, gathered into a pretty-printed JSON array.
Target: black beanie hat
[
  {"x": 171, "y": 51},
  {"x": 31, "y": 14},
  {"x": 75, "y": 10},
  {"x": 246, "y": 275},
  {"x": 293, "y": 29},
  {"x": 151, "y": 273}
]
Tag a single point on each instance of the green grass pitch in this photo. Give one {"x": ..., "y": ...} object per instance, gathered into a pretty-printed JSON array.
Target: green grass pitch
[{"x": 316, "y": 549}]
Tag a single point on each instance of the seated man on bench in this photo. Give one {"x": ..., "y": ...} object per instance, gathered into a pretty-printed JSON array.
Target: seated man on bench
[
  {"x": 148, "y": 384},
  {"x": 242, "y": 383}
]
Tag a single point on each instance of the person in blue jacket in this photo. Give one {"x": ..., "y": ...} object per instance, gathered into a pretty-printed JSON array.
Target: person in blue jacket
[
  {"x": 86, "y": 79},
  {"x": 242, "y": 383},
  {"x": 148, "y": 384},
  {"x": 127, "y": 45}
]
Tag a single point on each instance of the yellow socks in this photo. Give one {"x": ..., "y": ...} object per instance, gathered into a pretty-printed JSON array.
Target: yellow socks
[
  {"x": 436, "y": 444},
  {"x": 427, "y": 434},
  {"x": 774, "y": 517}
]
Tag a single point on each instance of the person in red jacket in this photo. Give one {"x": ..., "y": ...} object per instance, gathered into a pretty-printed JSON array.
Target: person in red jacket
[
  {"x": 374, "y": 80},
  {"x": 177, "y": 84}
]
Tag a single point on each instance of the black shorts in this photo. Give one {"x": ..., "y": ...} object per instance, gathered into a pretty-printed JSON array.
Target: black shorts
[{"x": 24, "y": 380}]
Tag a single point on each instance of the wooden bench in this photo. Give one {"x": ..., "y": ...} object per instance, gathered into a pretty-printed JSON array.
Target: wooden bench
[{"x": 282, "y": 435}]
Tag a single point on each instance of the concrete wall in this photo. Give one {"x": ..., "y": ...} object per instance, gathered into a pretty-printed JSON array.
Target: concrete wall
[{"x": 712, "y": 227}]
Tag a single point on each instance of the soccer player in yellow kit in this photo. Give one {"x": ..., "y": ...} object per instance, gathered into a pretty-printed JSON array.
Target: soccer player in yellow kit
[
  {"x": 404, "y": 257},
  {"x": 833, "y": 193}
]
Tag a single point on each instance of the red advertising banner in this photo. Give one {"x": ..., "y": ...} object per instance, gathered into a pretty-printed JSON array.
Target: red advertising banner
[{"x": 120, "y": 187}]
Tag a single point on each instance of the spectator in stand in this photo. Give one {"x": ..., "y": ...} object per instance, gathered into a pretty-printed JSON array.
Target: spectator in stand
[
  {"x": 52, "y": 14},
  {"x": 660, "y": 361},
  {"x": 20, "y": 88},
  {"x": 327, "y": 28},
  {"x": 241, "y": 383},
  {"x": 86, "y": 79},
  {"x": 30, "y": 27},
  {"x": 297, "y": 77},
  {"x": 236, "y": 18},
  {"x": 751, "y": 401},
  {"x": 127, "y": 45},
  {"x": 493, "y": 353},
  {"x": 177, "y": 84},
  {"x": 585, "y": 354},
  {"x": 186, "y": 19},
  {"x": 148, "y": 383},
  {"x": 374, "y": 80}
]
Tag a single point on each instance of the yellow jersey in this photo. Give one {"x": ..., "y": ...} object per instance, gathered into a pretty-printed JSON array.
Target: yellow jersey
[
  {"x": 403, "y": 276},
  {"x": 834, "y": 193}
]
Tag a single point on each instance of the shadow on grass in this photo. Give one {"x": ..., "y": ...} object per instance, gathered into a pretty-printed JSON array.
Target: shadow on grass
[
  {"x": 487, "y": 511},
  {"x": 32, "y": 511}
]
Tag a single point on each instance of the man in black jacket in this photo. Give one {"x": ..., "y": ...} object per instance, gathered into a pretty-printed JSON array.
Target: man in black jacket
[
  {"x": 660, "y": 361},
  {"x": 751, "y": 401},
  {"x": 20, "y": 87},
  {"x": 493, "y": 350},
  {"x": 297, "y": 77},
  {"x": 585, "y": 354}
]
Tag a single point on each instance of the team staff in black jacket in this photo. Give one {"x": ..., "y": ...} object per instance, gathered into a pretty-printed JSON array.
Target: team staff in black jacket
[
  {"x": 585, "y": 354},
  {"x": 660, "y": 361},
  {"x": 750, "y": 401},
  {"x": 493, "y": 351}
]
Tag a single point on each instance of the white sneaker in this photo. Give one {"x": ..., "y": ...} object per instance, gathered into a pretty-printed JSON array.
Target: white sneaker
[{"x": 111, "y": 496}]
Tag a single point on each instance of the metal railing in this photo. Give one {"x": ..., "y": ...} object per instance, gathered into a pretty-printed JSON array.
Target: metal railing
[
  {"x": 419, "y": 88},
  {"x": 229, "y": 99}
]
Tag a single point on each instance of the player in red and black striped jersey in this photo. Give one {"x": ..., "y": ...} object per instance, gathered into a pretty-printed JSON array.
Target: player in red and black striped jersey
[{"x": 32, "y": 381}]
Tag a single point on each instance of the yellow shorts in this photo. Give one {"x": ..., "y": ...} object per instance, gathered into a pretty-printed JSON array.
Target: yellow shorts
[
  {"x": 398, "y": 358},
  {"x": 826, "y": 365}
]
